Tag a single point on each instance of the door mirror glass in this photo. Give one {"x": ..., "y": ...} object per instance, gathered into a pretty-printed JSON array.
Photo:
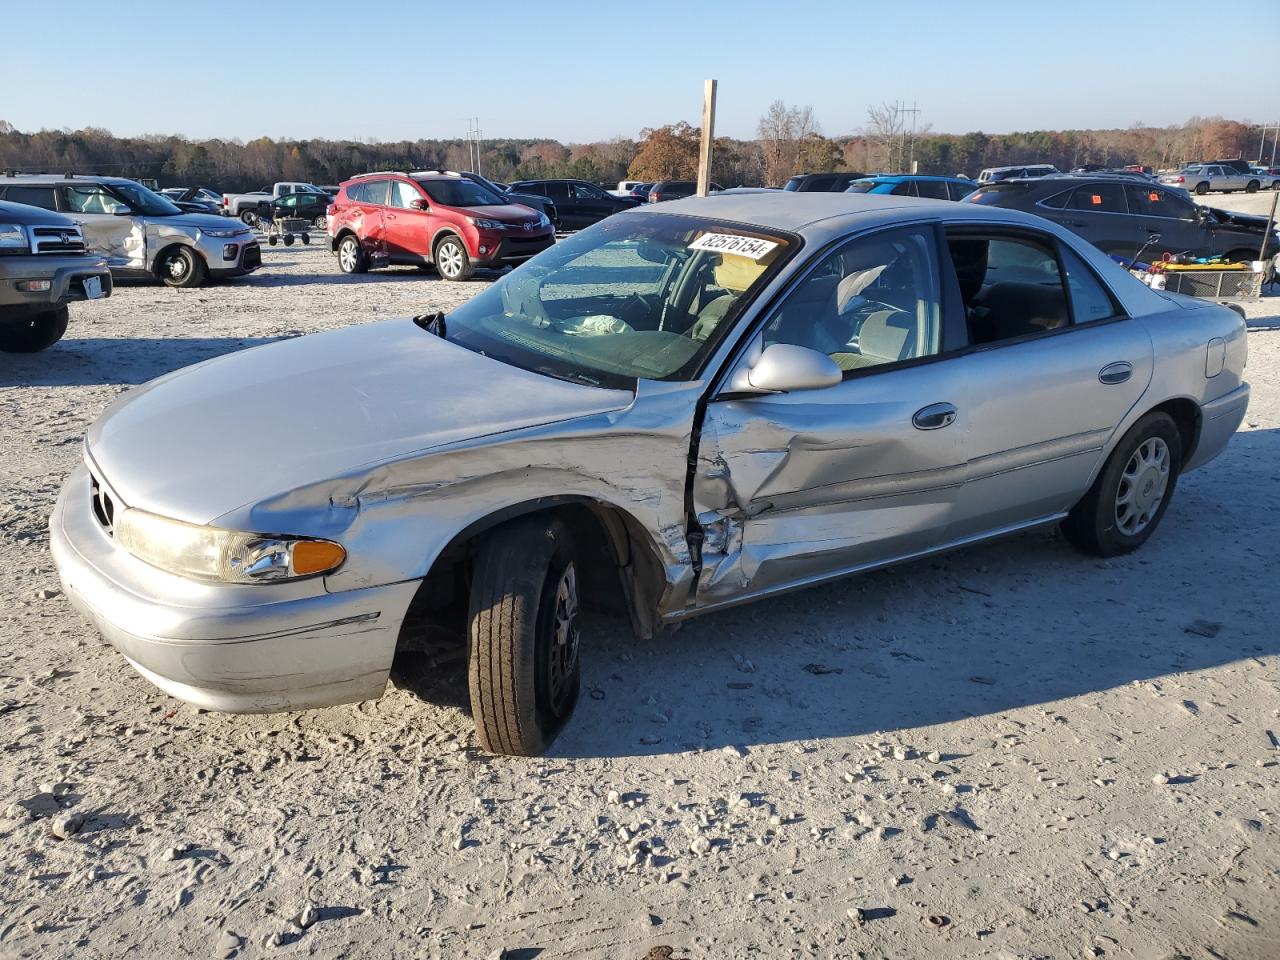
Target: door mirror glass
[{"x": 784, "y": 368}]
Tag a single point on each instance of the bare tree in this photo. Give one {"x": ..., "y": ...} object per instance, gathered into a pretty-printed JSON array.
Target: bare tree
[
  {"x": 886, "y": 126},
  {"x": 783, "y": 131}
]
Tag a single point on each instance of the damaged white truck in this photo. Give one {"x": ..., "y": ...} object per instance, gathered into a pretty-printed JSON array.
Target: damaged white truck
[{"x": 676, "y": 410}]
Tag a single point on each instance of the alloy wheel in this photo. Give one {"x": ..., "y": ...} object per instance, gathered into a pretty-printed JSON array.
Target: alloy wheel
[
  {"x": 562, "y": 658},
  {"x": 449, "y": 258},
  {"x": 347, "y": 255},
  {"x": 1143, "y": 485}
]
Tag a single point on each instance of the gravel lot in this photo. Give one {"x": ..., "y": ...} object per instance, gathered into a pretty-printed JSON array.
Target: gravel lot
[{"x": 1012, "y": 751}]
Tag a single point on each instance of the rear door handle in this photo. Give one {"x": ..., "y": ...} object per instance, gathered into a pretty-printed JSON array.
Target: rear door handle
[
  {"x": 934, "y": 417},
  {"x": 1118, "y": 372}
]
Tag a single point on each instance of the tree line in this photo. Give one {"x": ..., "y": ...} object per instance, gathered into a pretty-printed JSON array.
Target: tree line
[{"x": 789, "y": 141}]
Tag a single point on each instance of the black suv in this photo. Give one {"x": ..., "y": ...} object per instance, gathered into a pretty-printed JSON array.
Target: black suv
[
  {"x": 1122, "y": 216},
  {"x": 578, "y": 202},
  {"x": 822, "y": 182}
]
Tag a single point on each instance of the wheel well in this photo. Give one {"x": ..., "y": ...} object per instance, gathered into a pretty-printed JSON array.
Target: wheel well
[
  {"x": 1186, "y": 414},
  {"x": 439, "y": 237},
  {"x": 620, "y": 570}
]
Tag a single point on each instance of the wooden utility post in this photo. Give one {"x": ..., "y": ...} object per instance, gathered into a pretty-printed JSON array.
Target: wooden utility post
[{"x": 708, "y": 137}]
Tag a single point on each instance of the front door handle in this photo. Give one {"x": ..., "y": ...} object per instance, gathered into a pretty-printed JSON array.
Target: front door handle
[
  {"x": 1118, "y": 372},
  {"x": 935, "y": 416}
]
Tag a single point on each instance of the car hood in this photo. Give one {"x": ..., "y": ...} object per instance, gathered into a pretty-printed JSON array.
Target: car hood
[
  {"x": 513, "y": 213},
  {"x": 1245, "y": 221},
  {"x": 192, "y": 221},
  {"x": 232, "y": 431}
]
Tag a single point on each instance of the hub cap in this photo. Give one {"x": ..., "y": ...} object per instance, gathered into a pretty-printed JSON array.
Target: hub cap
[
  {"x": 450, "y": 258},
  {"x": 347, "y": 255},
  {"x": 563, "y": 656},
  {"x": 177, "y": 266},
  {"x": 1142, "y": 486}
]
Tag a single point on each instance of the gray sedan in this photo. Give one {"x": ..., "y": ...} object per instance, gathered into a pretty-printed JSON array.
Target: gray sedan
[{"x": 687, "y": 406}]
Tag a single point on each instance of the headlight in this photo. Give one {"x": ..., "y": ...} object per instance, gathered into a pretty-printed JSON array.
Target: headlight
[
  {"x": 13, "y": 235},
  {"x": 543, "y": 221},
  {"x": 225, "y": 232},
  {"x": 486, "y": 224},
  {"x": 224, "y": 556}
]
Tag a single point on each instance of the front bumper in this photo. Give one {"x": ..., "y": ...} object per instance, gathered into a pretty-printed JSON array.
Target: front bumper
[
  {"x": 508, "y": 248},
  {"x": 234, "y": 648},
  {"x": 230, "y": 256},
  {"x": 66, "y": 276},
  {"x": 1219, "y": 420}
]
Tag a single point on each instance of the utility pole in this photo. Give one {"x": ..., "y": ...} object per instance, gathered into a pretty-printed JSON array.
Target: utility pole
[
  {"x": 911, "y": 162},
  {"x": 473, "y": 143},
  {"x": 708, "y": 137}
]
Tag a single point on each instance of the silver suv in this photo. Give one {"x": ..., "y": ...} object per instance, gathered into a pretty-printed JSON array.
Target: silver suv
[{"x": 139, "y": 232}]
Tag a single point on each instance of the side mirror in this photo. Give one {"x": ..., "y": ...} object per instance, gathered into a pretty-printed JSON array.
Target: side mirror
[
  {"x": 419, "y": 204},
  {"x": 785, "y": 368},
  {"x": 123, "y": 211}
]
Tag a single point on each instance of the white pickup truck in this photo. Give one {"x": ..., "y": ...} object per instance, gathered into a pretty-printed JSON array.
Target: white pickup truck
[{"x": 245, "y": 205}]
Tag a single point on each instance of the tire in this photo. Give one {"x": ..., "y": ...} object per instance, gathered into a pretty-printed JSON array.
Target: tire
[
  {"x": 351, "y": 256},
  {"x": 1202, "y": 189},
  {"x": 1127, "y": 501},
  {"x": 320, "y": 222},
  {"x": 181, "y": 267},
  {"x": 272, "y": 240},
  {"x": 288, "y": 239},
  {"x": 1252, "y": 186},
  {"x": 34, "y": 333},
  {"x": 451, "y": 259},
  {"x": 523, "y": 669},
  {"x": 1242, "y": 256},
  {"x": 248, "y": 218},
  {"x": 306, "y": 238}
]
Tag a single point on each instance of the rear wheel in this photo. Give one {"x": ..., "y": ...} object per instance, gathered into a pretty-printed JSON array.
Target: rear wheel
[
  {"x": 523, "y": 669},
  {"x": 181, "y": 267},
  {"x": 1252, "y": 187},
  {"x": 1202, "y": 188},
  {"x": 452, "y": 261},
  {"x": 320, "y": 222},
  {"x": 249, "y": 218},
  {"x": 351, "y": 258},
  {"x": 1127, "y": 501},
  {"x": 32, "y": 334}
]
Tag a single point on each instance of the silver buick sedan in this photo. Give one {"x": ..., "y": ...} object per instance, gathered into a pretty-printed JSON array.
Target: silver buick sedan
[{"x": 684, "y": 407}]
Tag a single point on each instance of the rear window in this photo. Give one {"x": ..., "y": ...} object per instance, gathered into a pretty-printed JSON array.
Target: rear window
[
  {"x": 35, "y": 196},
  {"x": 793, "y": 183},
  {"x": 994, "y": 194}
]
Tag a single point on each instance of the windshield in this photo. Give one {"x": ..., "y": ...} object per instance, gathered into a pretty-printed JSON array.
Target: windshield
[
  {"x": 461, "y": 193},
  {"x": 144, "y": 201},
  {"x": 640, "y": 296}
]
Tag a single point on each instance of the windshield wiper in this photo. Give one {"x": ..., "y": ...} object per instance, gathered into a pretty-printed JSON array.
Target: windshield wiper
[{"x": 432, "y": 323}]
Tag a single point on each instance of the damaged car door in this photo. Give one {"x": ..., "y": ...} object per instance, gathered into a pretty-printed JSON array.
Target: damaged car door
[
  {"x": 796, "y": 485},
  {"x": 108, "y": 228}
]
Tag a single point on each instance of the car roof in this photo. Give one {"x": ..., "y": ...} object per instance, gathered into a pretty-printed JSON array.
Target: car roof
[
  {"x": 42, "y": 178},
  {"x": 908, "y": 177},
  {"x": 822, "y": 216}
]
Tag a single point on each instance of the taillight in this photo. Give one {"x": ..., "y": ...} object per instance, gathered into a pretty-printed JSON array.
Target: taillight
[
  {"x": 1182, "y": 179},
  {"x": 654, "y": 196}
]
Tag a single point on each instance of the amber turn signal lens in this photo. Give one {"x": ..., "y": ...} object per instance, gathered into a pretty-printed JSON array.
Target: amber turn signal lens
[{"x": 316, "y": 556}]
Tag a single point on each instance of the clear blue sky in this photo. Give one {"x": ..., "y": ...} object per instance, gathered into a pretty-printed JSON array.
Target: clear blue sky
[{"x": 586, "y": 71}]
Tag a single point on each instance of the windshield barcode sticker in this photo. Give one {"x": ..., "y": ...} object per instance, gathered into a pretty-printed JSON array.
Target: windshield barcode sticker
[{"x": 752, "y": 247}]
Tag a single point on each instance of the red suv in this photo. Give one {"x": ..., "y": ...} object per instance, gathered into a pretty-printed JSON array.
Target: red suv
[{"x": 431, "y": 217}]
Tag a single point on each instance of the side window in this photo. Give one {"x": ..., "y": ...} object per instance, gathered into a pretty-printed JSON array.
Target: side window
[
  {"x": 932, "y": 189},
  {"x": 403, "y": 194},
  {"x": 904, "y": 189},
  {"x": 1058, "y": 201},
  {"x": 1090, "y": 301},
  {"x": 1154, "y": 202},
  {"x": 1010, "y": 285},
  {"x": 558, "y": 190},
  {"x": 89, "y": 198},
  {"x": 289, "y": 201},
  {"x": 1099, "y": 198},
  {"x": 874, "y": 301},
  {"x": 34, "y": 196},
  {"x": 584, "y": 191},
  {"x": 537, "y": 189},
  {"x": 960, "y": 190}
]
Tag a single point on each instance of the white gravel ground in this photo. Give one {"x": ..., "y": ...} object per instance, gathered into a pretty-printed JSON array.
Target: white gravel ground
[{"x": 1048, "y": 755}]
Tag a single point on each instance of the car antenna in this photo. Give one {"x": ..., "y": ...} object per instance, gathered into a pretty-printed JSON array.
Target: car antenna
[{"x": 432, "y": 323}]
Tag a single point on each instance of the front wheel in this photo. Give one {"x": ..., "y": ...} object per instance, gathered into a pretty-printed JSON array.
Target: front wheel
[
  {"x": 181, "y": 267},
  {"x": 523, "y": 669},
  {"x": 32, "y": 334},
  {"x": 452, "y": 261},
  {"x": 351, "y": 258},
  {"x": 1127, "y": 501}
]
